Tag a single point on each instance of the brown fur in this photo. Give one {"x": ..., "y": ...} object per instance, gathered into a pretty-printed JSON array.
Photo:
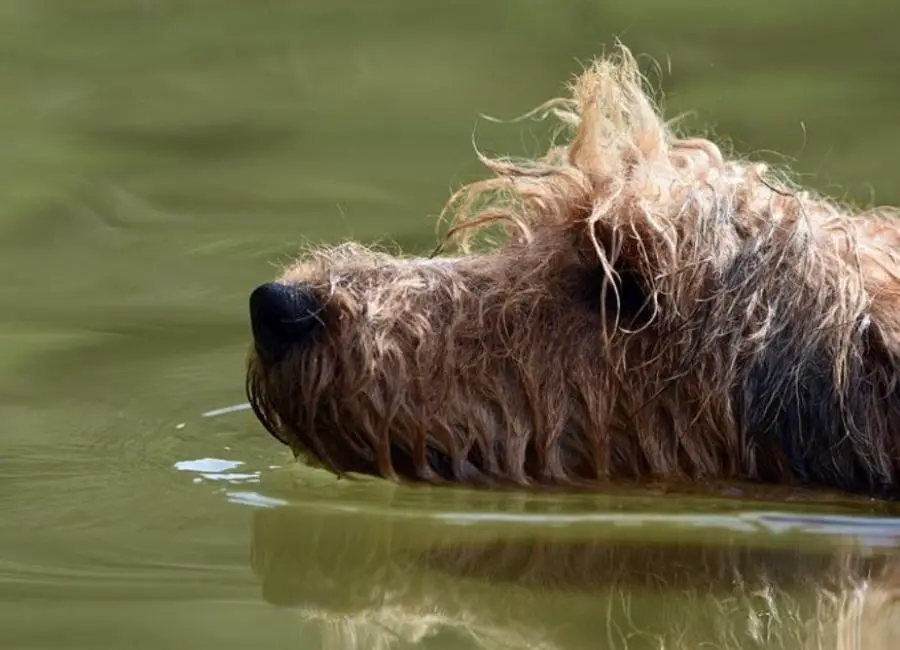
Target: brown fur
[{"x": 653, "y": 310}]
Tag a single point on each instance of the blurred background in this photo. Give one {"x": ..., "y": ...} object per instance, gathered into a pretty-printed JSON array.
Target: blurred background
[{"x": 160, "y": 158}]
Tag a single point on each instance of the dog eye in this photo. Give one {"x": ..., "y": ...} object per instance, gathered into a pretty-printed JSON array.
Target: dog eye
[
  {"x": 626, "y": 297},
  {"x": 633, "y": 300}
]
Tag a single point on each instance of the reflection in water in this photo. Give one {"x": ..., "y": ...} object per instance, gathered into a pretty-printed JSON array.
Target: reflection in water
[{"x": 380, "y": 583}]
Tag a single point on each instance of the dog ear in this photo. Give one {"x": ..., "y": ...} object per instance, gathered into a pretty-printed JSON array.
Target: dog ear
[{"x": 638, "y": 204}]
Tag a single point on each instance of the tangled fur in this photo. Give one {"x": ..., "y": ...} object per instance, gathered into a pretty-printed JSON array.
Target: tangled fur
[{"x": 653, "y": 310}]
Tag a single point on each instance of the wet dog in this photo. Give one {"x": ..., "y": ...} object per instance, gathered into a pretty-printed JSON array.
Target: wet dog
[{"x": 651, "y": 309}]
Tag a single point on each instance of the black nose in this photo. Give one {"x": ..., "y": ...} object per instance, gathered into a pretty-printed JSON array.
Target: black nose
[{"x": 281, "y": 316}]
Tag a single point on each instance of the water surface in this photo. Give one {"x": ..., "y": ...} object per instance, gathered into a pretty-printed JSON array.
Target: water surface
[{"x": 161, "y": 158}]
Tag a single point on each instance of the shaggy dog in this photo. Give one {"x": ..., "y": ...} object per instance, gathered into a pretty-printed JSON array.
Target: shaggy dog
[{"x": 653, "y": 311}]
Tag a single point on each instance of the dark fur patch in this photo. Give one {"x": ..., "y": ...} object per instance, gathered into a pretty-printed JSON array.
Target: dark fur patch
[{"x": 798, "y": 421}]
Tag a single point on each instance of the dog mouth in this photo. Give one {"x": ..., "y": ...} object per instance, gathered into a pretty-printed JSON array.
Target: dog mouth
[
  {"x": 286, "y": 398},
  {"x": 263, "y": 406}
]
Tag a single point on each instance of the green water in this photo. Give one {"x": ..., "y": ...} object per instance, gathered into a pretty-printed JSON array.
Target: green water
[{"x": 158, "y": 158}]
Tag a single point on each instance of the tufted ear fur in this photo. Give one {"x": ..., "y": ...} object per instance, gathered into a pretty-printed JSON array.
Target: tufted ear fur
[
  {"x": 650, "y": 211},
  {"x": 664, "y": 218}
]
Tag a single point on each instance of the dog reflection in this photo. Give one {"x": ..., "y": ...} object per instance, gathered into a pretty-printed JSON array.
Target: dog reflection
[{"x": 380, "y": 584}]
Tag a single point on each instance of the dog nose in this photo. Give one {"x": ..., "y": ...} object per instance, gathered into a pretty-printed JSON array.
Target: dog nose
[{"x": 281, "y": 316}]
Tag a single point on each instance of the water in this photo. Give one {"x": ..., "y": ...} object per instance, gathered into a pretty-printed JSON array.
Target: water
[{"x": 159, "y": 158}]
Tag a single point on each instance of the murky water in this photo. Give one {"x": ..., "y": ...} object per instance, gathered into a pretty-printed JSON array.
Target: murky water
[{"x": 158, "y": 158}]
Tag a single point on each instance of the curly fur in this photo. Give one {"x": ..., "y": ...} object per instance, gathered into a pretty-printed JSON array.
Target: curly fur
[{"x": 653, "y": 310}]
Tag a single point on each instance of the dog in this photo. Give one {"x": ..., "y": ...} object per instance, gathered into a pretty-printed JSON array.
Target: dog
[{"x": 632, "y": 306}]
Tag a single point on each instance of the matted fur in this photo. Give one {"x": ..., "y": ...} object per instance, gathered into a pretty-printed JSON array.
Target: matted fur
[{"x": 653, "y": 310}]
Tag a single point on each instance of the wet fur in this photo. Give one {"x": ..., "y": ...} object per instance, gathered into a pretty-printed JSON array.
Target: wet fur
[{"x": 653, "y": 310}]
